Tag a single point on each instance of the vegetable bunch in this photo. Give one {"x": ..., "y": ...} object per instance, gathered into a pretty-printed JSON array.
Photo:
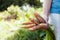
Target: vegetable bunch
[
  {"x": 36, "y": 23},
  {"x": 39, "y": 23}
]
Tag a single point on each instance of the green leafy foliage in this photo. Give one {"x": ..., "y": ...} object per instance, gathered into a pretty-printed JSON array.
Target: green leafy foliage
[
  {"x": 19, "y": 12},
  {"x": 24, "y": 34}
]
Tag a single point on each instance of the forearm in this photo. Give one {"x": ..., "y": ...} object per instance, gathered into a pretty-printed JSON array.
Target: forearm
[{"x": 46, "y": 7}]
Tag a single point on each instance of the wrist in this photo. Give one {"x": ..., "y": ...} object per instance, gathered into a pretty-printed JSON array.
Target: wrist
[{"x": 45, "y": 17}]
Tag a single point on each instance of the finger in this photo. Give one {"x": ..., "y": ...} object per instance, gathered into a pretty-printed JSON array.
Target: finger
[
  {"x": 40, "y": 19},
  {"x": 28, "y": 26},
  {"x": 27, "y": 23},
  {"x": 33, "y": 20}
]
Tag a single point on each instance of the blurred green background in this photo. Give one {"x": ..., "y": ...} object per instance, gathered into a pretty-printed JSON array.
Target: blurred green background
[{"x": 6, "y": 3}]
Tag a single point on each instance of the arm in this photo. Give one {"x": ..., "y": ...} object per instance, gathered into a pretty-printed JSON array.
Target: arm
[{"x": 46, "y": 8}]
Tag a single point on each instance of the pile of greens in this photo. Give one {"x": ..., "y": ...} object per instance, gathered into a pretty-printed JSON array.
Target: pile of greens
[{"x": 24, "y": 34}]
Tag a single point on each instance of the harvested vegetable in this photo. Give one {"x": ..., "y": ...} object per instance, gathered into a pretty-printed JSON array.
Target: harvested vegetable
[{"x": 40, "y": 23}]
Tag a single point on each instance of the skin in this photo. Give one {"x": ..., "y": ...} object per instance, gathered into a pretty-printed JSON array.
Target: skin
[{"x": 46, "y": 8}]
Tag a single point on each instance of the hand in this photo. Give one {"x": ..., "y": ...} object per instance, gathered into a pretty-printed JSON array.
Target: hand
[
  {"x": 45, "y": 17},
  {"x": 36, "y": 24}
]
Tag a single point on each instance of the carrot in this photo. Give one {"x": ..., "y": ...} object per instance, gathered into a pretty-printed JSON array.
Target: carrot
[
  {"x": 40, "y": 26},
  {"x": 28, "y": 26},
  {"x": 43, "y": 26},
  {"x": 40, "y": 19},
  {"x": 27, "y": 23},
  {"x": 33, "y": 20}
]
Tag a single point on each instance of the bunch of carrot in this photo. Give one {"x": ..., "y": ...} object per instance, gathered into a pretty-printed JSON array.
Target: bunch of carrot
[
  {"x": 39, "y": 23},
  {"x": 36, "y": 23}
]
